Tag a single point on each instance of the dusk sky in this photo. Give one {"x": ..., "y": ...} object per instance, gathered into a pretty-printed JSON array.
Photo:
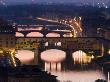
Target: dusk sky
[{"x": 52, "y": 1}]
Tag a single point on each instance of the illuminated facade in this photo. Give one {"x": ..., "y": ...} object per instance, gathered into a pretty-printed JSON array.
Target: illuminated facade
[
  {"x": 11, "y": 42},
  {"x": 7, "y": 36},
  {"x": 26, "y": 43},
  {"x": 7, "y": 42}
]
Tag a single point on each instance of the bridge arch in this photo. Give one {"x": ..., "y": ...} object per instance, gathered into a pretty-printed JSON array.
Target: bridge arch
[
  {"x": 81, "y": 57},
  {"x": 18, "y": 34},
  {"x": 34, "y": 34},
  {"x": 52, "y": 34},
  {"x": 53, "y": 55},
  {"x": 53, "y": 59},
  {"x": 25, "y": 56}
]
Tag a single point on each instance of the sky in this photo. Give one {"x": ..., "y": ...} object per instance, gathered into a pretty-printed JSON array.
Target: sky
[{"x": 52, "y": 1}]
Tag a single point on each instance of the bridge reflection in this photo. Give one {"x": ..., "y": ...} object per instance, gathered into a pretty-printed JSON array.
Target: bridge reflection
[
  {"x": 81, "y": 57},
  {"x": 55, "y": 59}
]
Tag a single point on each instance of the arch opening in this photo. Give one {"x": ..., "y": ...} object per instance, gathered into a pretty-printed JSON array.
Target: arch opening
[
  {"x": 53, "y": 55},
  {"x": 81, "y": 57},
  {"x": 53, "y": 35},
  {"x": 25, "y": 56},
  {"x": 53, "y": 59},
  {"x": 34, "y": 34},
  {"x": 18, "y": 34}
]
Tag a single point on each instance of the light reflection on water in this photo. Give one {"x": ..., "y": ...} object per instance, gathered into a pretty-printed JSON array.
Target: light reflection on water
[
  {"x": 79, "y": 76},
  {"x": 90, "y": 74},
  {"x": 81, "y": 57},
  {"x": 84, "y": 70},
  {"x": 81, "y": 73}
]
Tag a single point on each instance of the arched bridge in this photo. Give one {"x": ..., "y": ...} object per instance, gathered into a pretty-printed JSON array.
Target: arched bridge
[
  {"x": 44, "y": 32},
  {"x": 91, "y": 45}
]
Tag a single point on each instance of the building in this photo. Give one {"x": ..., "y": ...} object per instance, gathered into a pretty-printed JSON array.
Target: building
[
  {"x": 7, "y": 42},
  {"x": 25, "y": 74},
  {"x": 7, "y": 36},
  {"x": 107, "y": 34}
]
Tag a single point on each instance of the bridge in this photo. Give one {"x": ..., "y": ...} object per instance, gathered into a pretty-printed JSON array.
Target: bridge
[
  {"x": 73, "y": 25},
  {"x": 91, "y": 45},
  {"x": 44, "y": 32},
  {"x": 94, "y": 46}
]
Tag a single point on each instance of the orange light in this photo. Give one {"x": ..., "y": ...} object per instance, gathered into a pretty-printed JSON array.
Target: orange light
[{"x": 109, "y": 52}]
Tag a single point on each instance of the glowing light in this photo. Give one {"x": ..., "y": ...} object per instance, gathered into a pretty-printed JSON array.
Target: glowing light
[
  {"x": 53, "y": 55},
  {"x": 13, "y": 59},
  {"x": 47, "y": 20},
  {"x": 81, "y": 57},
  {"x": 92, "y": 57},
  {"x": 59, "y": 44},
  {"x": 46, "y": 44},
  {"x": 1, "y": 51},
  {"x": 109, "y": 52},
  {"x": 52, "y": 66},
  {"x": 28, "y": 29},
  {"x": 68, "y": 35}
]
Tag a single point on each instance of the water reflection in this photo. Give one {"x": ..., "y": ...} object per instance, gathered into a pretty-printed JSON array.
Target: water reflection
[
  {"x": 83, "y": 68},
  {"x": 25, "y": 56},
  {"x": 81, "y": 57},
  {"x": 52, "y": 66},
  {"x": 79, "y": 76}
]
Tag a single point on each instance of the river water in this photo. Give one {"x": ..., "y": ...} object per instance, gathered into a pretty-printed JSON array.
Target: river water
[
  {"x": 81, "y": 69},
  {"x": 84, "y": 74}
]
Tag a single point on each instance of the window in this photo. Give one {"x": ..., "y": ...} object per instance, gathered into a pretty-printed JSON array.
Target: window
[
  {"x": 11, "y": 38},
  {"x": 11, "y": 42},
  {"x": 6, "y": 42}
]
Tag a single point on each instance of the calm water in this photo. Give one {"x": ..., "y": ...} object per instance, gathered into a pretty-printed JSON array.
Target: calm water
[
  {"x": 82, "y": 73},
  {"x": 80, "y": 69}
]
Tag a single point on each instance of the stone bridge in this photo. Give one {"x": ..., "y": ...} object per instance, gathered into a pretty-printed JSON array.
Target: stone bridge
[
  {"x": 96, "y": 46},
  {"x": 44, "y": 32}
]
